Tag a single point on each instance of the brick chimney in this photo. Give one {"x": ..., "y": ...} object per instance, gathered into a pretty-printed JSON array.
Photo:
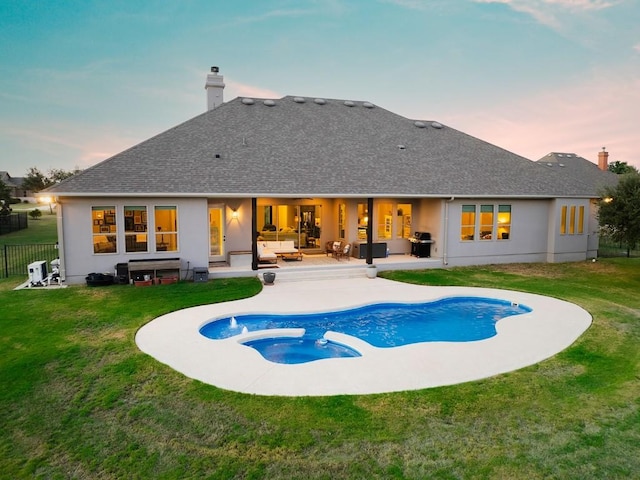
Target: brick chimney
[
  {"x": 214, "y": 88},
  {"x": 603, "y": 159}
]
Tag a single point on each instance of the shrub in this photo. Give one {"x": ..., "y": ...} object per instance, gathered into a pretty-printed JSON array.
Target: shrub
[{"x": 35, "y": 214}]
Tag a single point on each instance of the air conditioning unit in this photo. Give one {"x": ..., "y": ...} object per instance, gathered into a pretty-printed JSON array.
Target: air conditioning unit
[{"x": 37, "y": 272}]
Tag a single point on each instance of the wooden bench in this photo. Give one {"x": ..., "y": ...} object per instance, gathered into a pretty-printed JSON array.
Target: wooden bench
[{"x": 155, "y": 267}]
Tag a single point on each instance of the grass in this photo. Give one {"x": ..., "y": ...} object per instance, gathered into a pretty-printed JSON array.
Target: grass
[
  {"x": 42, "y": 230},
  {"x": 79, "y": 400}
]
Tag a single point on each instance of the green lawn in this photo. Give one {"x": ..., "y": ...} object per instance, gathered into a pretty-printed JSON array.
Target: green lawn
[
  {"x": 42, "y": 230},
  {"x": 78, "y": 400}
]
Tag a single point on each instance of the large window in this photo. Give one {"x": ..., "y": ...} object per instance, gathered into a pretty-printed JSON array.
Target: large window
[
  {"x": 489, "y": 225},
  {"x": 363, "y": 221},
  {"x": 166, "y": 224},
  {"x": 504, "y": 222},
  {"x": 104, "y": 229},
  {"x": 571, "y": 220},
  {"x": 135, "y": 229},
  {"x": 563, "y": 220},
  {"x": 486, "y": 222},
  {"x": 581, "y": 220},
  {"x": 385, "y": 220},
  {"x": 403, "y": 229},
  {"x": 468, "y": 222},
  {"x": 300, "y": 223}
]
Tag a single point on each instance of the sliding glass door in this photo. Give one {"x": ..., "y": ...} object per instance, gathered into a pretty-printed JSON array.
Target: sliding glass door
[{"x": 300, "y": 223}]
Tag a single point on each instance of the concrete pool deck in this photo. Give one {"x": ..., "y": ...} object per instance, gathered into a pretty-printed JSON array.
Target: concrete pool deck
[{"x": 522, "y": 340}]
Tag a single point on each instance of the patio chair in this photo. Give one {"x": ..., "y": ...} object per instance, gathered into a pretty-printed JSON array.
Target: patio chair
[
  {"x": 344, "y": 251},
  {"x": 331, "y": 247}
]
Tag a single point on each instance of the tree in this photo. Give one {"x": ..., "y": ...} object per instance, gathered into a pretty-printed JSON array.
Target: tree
[
  {"x": 56, "y": 175},
  {"x": 619, "y": 210},
  {"x": 621, "y": 168},
  {"x": 36, "y": 181},
  {"x": 35, "y": 214}
]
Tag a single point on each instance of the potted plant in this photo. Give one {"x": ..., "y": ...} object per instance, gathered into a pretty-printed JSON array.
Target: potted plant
[
  {"x": 269, "y": 277},
  {"x": 143, "y": 281},
  {"x": 372, "y": 271}
]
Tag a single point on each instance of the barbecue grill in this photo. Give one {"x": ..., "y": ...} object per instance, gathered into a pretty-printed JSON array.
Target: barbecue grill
[{"x": 421, "y": 244}]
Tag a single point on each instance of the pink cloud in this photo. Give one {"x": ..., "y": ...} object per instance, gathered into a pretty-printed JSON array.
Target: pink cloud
[
  {"x": 67, "y": 145},
  {"x": 236, "y": 89},
  {"x": 578, "y": 119}
]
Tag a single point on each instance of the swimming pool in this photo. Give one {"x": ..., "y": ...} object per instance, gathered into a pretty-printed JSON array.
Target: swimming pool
[
  {"x": 174, "y": 339},
  {"x": 382, "y": 325}
]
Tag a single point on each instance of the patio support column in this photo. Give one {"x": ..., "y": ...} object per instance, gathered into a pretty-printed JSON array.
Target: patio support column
[
  {"x": 254, "y": 234},
  {"x": 370, "y": 232}
]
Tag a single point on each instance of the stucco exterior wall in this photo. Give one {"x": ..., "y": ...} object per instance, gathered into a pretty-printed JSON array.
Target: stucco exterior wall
[
  {"x": 237, "y": 231},
  {"x": 567, "y": 247},
  {"x": 527, "y": 241},
  {"x": 76, "y": 245},
  {"x": 593, "y": 229}
]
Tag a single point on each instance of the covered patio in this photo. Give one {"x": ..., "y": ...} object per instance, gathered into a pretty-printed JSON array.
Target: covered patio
[{"x": 320, "y": 265}]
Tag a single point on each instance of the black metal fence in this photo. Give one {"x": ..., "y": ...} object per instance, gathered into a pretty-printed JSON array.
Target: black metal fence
[
  {"x": 611, "y": 248},
  {"x": 16, "y": 258},
  {"x": 13, "y": 222}
]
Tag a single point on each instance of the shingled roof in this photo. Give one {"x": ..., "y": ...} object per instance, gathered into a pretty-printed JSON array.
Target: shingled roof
[
  {"x": 306, "y": 147},
  {"x": 574, "y": 166}
]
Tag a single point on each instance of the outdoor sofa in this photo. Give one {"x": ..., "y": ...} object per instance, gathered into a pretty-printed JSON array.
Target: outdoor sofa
[{"x": 269, "y": 251}]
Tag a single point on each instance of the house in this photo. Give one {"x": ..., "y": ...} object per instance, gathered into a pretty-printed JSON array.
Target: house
[
  {"x": 15, "y": 186},
  {"x": 314, "y": 170}
]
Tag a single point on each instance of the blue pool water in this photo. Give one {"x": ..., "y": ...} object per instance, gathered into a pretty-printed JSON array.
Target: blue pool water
[
  {"x": 384, "y": 325},
  {"x": 300, "y": 349}
]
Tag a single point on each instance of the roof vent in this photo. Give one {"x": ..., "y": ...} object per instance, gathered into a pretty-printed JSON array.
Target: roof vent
[
  {"x": 549, "y": 164},
  {"x": 420, "y": 124},
  {"x": 368, "y": 105},
  {"x": 248, "y": 101},
  {"x": 561, "y": 164},
  {"x": 401, "y": 147},
  {"x": 436, "y": 125},
  {"x": 320, "y": 101},
  {"x": 299, "y": 99},
  {"x": 217, "y": 155},
  {"x": 349, "y": 103},
  {"x": 269, "y": 103}
]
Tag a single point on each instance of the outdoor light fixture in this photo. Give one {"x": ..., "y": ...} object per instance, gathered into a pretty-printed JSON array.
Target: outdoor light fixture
[
  {"x": 234, "y": 214},
  {"x": 47, "y": 200}
]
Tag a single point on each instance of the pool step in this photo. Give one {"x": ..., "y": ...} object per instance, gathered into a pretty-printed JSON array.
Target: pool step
[{"x": 300, "y": 274}]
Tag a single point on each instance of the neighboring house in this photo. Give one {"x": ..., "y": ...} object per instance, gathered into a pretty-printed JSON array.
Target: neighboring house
[
  {"x": 316, "y": 170},
  {"x": 15, "y": 184}
]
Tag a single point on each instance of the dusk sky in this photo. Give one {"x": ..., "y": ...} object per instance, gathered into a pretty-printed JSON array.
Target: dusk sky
[{"x": 82, "y": 80}]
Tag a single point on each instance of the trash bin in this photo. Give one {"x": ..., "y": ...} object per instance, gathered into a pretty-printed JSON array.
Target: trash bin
[
  {"x": 200, "y": 274},
  {"x": 99, "y": 279},
  {"x": 122, "y": 274}
]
